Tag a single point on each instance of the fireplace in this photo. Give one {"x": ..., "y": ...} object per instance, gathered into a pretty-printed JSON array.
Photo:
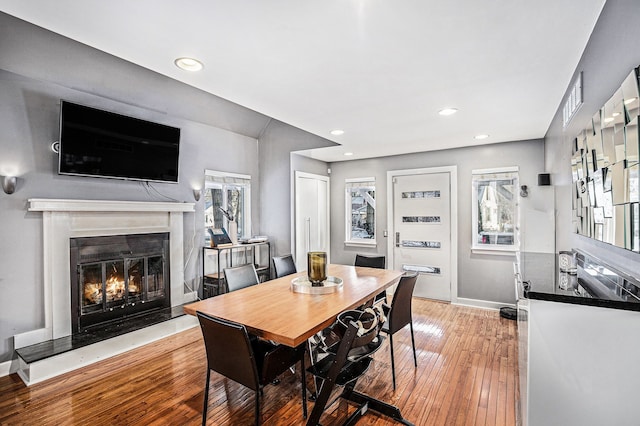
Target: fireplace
[
  {"x": 116, "y": 277},
  {"x": 66, "y": 220}
]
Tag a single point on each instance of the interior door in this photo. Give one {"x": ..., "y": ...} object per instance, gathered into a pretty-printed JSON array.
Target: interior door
[
  {"x": 311, "y": 216},
  {"x": 422, "y": 231}
]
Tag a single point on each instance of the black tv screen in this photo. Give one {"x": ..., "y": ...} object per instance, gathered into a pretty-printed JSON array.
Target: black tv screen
[{"x": 99, "y": 143}]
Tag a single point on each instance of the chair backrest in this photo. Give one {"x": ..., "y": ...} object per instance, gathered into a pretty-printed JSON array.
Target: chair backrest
[
  {"x": 284, "y": 265},
  {"x": 241, "y": 277},
  {"x": 400, "y": 313},
  {"x": 229, "y": 350},
  {"x": 370, "y": 261}
]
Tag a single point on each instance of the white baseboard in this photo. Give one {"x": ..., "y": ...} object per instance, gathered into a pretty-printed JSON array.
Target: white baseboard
[
  {"x": 69, "y": 361},
  {"x": 8, "y": 367},
  {"x": 483, "y": 304}
]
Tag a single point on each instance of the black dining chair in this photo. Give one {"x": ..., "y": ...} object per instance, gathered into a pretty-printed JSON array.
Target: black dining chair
[
  {"x": 252, "y": 363},
  {"x": 240, "y": 277},
  {"x": 378, "y": 262},
  {"x": 370, "y": 261},
  {"x": 400, "y": 315},
  {"x": 284, "y": 265}
]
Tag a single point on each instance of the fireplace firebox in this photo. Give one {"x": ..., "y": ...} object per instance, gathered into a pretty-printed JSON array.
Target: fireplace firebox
[{"x": 119, "y": 276}]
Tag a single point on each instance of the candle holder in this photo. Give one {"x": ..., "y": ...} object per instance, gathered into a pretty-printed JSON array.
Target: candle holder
[{"x": 317, "y": 267}]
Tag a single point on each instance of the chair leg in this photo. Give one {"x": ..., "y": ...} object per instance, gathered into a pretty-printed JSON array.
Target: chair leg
[
  {"x": 393, "y": 365},
  {"x": 413, "y": 343},
  {"x": 206, "y": 398},
  {"x": 257, "y": 414},
  {"x": 303, "y": 384}
]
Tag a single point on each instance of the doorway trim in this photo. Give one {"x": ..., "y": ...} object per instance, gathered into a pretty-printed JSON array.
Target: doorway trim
[{"x": 453, "y": 174}]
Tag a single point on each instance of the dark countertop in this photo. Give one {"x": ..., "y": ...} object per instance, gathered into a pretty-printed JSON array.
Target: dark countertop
[{"x": 594, "y": 284}]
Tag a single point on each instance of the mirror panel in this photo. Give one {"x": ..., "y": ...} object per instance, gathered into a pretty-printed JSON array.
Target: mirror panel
[
  {"x": 618, "y": 143},
  {"x": 631, "y": 94},
  {"x": 633, "y": 183},
  {"x": 619, "y": 224},
  {"x": 605, "y": 169},
  {"x": 618, "y": 183},
  {"x": 608, "y": 204},
  {"x": 598, "y": 186},
  {"x": 608, "y": 144},
  {"x": 631, "y": 141},
  {"x": 635, "y": 227}
]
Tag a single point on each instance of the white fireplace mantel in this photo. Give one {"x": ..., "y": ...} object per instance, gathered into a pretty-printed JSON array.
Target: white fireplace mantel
[
  {"x": 66, "y": 219},
  {"x": 52, "y": 205}
]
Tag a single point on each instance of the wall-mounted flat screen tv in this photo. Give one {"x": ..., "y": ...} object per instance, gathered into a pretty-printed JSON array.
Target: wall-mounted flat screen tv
[{"x": 99, "y": 143}]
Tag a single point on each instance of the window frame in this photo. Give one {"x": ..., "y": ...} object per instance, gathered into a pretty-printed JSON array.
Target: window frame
[
  {"x": 224, "y": 181},
  {"x": 494, "y": 174},
  {"x": 365, "y": 182}
]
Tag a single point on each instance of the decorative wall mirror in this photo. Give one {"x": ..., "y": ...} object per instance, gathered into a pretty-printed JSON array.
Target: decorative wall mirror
[{"x": 605, "y": 167}]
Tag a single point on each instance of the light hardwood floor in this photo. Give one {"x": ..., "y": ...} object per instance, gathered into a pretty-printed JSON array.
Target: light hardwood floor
[{"x": 466, "y": 375}]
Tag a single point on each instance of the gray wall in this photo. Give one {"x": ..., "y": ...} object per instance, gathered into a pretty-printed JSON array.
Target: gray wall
[
  {"x": 37, "y": 69},
  {"x": 610, "y": 55},
  {"x": 277, "y": 143},
  {"x": 483, "y": 277}
]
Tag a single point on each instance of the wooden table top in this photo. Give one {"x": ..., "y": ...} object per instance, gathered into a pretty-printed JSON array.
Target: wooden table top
[{"x": 273, "y": 311}]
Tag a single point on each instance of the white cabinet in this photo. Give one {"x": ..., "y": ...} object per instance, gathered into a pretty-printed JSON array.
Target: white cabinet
[{"x": 580, "y": 364}]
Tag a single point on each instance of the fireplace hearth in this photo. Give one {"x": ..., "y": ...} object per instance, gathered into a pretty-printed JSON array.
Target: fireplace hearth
[{"x": 117, "y": 277}]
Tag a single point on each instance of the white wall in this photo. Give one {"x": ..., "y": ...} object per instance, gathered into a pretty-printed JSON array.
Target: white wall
[{"x": 276, "y": 144}]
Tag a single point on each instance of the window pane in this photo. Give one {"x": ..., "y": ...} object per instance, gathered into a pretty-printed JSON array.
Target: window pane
[
  {"x": 496, "y": 204},
  {"x": 232, "y": 193},
  {"x": 363, "y": 213},
  {"x": 235, "y": 204},
  {"x": 212, "y": 203}
]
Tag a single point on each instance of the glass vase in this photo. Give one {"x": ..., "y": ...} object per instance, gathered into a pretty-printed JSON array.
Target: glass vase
[{"x": 317, "y": 267}]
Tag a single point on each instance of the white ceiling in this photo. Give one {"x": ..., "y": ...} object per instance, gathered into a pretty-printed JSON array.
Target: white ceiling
[{"x": 378, "y": 69}]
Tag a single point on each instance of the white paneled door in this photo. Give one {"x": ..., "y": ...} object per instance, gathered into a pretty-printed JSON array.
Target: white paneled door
[
  {"x": 311, "y": 216},
  {"x": 421, "y": 232}
]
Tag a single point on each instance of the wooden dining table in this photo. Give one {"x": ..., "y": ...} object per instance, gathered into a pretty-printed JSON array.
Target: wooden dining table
[{"x": 273, "y": 311}]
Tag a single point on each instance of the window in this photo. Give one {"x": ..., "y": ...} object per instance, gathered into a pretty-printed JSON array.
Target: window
[
  {"x": 495, "y": 213},
  {"x": 360, "y": 205},
  {"x": 232, "y": 193}
]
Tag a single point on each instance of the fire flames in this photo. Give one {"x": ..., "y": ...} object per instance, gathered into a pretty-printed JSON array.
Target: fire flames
[{"x": 114, "y": 289}]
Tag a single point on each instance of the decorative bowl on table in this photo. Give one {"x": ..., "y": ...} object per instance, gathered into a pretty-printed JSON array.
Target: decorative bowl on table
[{"x": 304, "y": 285}]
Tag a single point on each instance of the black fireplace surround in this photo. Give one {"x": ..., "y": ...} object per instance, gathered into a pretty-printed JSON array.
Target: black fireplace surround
[{"x": 117, "y": 277}]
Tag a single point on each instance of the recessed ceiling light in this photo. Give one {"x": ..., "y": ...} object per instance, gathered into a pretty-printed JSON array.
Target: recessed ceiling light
[
  {"x": 337, "y": 132},
  {"x": 615, "y": 114},
  {"x": 480, "y": 137},
  {"x": 348, "y": 154},
  {"x": 448, "y": 111},
  {"x": 630, "y": 101},
  {"x": 608, "y": 120},
  {"x": 188, "y": 64}
]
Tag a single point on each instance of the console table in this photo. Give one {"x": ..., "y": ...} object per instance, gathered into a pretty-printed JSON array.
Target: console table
[{"x": 230, "y": 256}]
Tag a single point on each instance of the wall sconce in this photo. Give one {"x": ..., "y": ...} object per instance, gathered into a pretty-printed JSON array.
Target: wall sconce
[
  {"x": 9, "y": 184},
  {"x": 524, "y": 191},
  {"x": 196, "y": 194}
]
